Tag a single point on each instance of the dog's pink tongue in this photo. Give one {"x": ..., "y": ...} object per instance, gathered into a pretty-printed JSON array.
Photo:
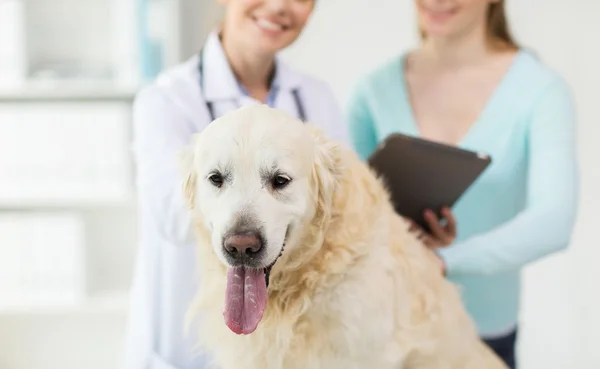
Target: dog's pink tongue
[{"x": 245, "y": 299}]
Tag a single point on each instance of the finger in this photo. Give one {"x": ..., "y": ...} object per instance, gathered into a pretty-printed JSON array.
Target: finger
[
  {"x": 434, "y": 224},
  {"x": 451, "y": 225}
]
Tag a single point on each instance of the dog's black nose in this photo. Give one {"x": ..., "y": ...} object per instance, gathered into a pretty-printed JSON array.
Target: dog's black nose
[{"x": 243, "y": 244}]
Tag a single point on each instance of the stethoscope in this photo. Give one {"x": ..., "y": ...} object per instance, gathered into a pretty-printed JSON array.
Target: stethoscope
[{"x": 210, "y": 107}]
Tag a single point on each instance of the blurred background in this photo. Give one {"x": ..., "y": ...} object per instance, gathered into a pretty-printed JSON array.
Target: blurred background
[{"x": 69, "y": 70}]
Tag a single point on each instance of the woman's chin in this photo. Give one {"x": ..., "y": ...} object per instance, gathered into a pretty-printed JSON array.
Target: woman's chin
[{"x": 438, "y": 31}]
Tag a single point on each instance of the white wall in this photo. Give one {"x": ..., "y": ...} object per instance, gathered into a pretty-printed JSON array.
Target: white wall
[
  {"x": 197, "y": 19},
  {"x": 348, "y": 37}
]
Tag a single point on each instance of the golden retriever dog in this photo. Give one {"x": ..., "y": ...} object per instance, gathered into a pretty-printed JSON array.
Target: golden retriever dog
[{"x": 303, "y": 262}]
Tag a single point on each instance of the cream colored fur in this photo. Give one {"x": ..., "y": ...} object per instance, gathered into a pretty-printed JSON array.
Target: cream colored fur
[{"x": 353, "y": 289}]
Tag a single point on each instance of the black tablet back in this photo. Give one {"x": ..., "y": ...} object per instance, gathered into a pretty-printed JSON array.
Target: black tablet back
[{"x": 422, "y": 174}]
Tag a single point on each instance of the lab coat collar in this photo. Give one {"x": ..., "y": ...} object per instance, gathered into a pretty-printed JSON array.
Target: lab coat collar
[{"x": 219, "y": 82}]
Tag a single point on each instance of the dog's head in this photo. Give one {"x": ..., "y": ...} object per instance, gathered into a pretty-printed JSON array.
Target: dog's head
[{"x": 255, "y": 179}]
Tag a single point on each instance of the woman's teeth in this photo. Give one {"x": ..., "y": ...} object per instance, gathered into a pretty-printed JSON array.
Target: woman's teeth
[{"x": 268, "y": 25}]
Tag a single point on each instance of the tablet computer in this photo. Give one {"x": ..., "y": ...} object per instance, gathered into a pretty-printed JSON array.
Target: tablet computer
[{"x": 422, "y": 174}]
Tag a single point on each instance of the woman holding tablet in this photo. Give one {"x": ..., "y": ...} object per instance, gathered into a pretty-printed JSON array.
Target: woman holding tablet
[
  {"x": 238, "y": 65},
  {"x": 470, "y": 85}
]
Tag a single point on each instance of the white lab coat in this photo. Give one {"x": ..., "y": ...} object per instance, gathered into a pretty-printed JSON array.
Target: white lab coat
[{"x": 166, "y": 114}]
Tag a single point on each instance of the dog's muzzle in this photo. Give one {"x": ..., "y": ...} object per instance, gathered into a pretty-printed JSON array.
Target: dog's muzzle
[{"x": 246, "y": 291}]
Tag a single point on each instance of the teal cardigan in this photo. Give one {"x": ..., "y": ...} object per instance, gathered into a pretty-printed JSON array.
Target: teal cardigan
[{"x": 523, "y": 207}]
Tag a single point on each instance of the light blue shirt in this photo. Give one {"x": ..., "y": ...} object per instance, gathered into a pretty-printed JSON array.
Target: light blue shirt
[
  {"x": 271, "y": 96},
  {"x": 523, "y": 207}
]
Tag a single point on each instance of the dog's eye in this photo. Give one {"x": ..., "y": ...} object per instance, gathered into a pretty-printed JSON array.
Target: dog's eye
[
  {"x": 280, "y": 181},
  {"x": 216, "y": 179}
]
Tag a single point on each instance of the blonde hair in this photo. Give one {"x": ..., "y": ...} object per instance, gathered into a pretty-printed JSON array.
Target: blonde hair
[{"x": 497, "y": 28}]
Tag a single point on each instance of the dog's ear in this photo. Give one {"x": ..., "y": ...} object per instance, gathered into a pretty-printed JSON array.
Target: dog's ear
[
  {"x": 325, "y": 171},
  {"x": 186, "y": 164}
]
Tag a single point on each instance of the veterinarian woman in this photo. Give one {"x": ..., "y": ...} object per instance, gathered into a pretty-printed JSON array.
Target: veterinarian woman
[
  {"x": 237, "y": 66},
  {"x": 469, "y": 84}
]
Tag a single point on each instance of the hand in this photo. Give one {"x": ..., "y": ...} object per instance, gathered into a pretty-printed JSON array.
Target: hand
[{"x": 441, "y": 234}]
